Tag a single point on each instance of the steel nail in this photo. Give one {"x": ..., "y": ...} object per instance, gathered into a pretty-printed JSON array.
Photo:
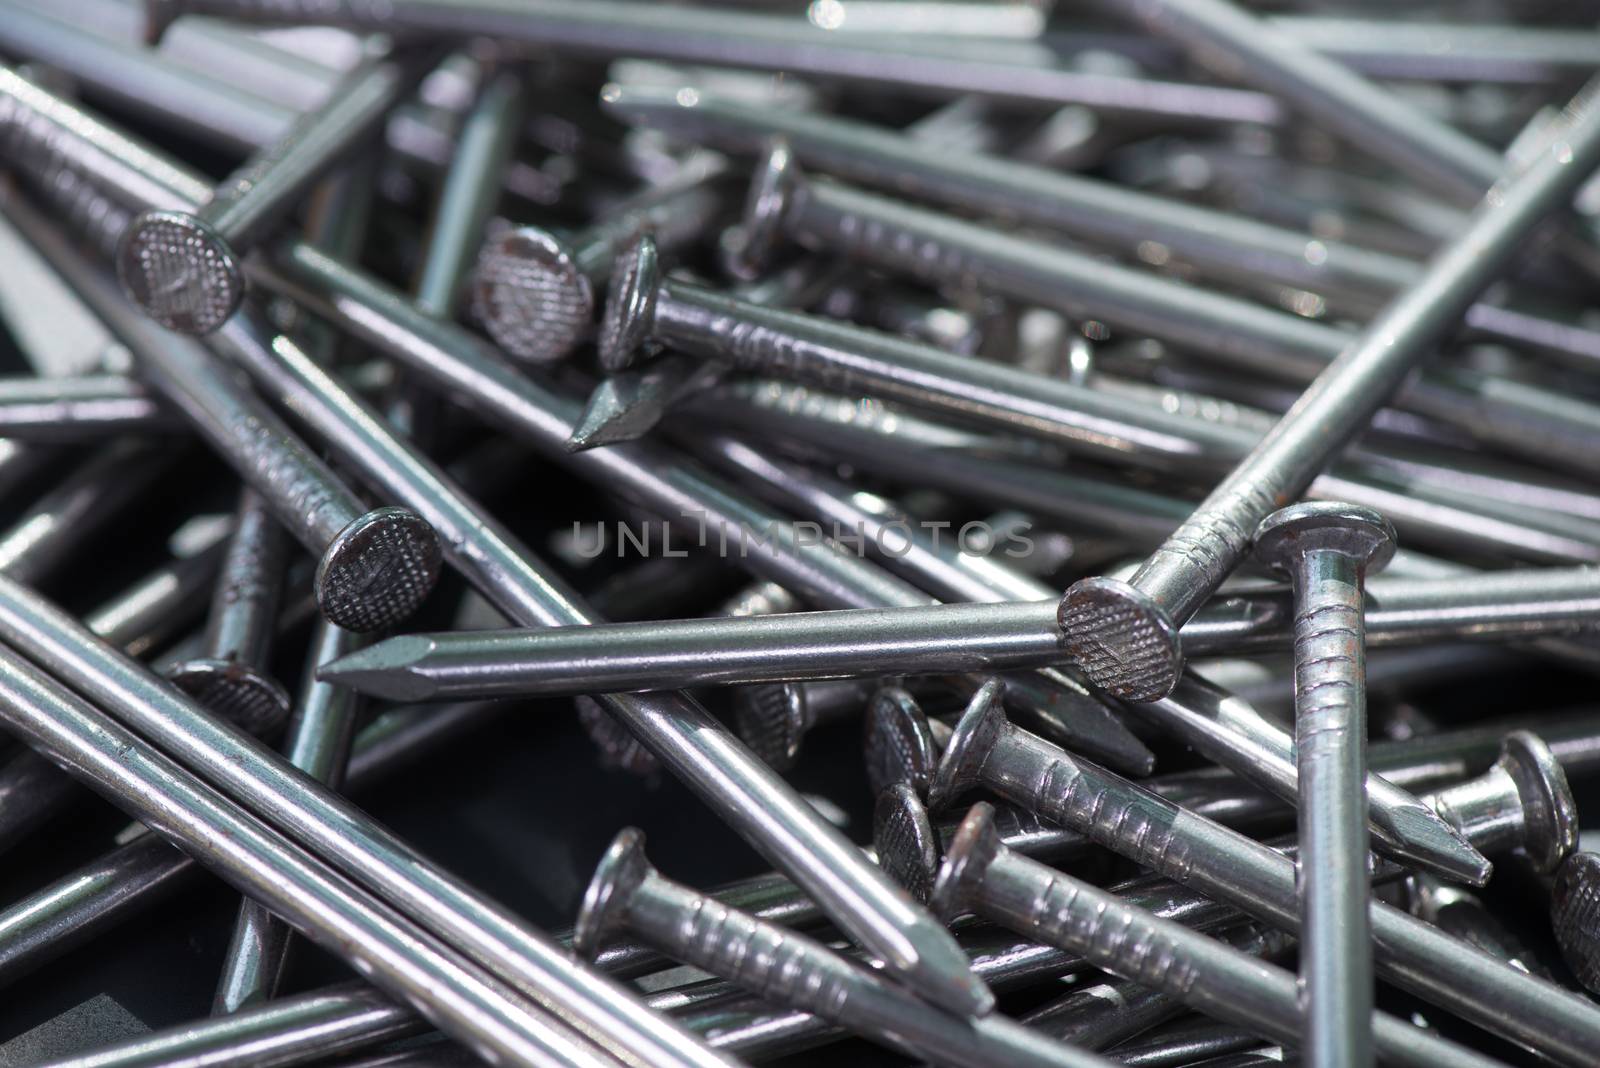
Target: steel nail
[
  {"x": 534, "y": 291},
  {"x": 1125, "y": 634},
  {"x": 1326, "y": 550},
  {"x": 627, "y": 405},
  {"x": 1103, "y": 1015},
  {"x": 1399, "y": 611},
  {"x": 471, "y": 191},
  {"x": 1485, "y": 52},
  {"x": 898, "y": 744},
  {"x": 183, "y": 268},
  {"x": 643, "y": 308},
  {"x": 288, "y": 1030},
  {"x": 169, "y": 597},
  {"x": 319, "y": 744},
  {"x": 31, "y": 788},
  {"x": 1120, "y": 815},
  {"x": 755, "y": 1030},
  {"x": 230, "y": 678},
  {"x": 1057, "y": 704},
  {"x": 1005, "y": 471},
  {"x": 614, "y": 744},
  {"x": 627, "y": 894}
]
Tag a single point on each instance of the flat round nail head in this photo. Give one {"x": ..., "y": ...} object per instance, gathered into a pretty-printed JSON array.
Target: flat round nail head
[
  {"x": 630, "y": 306},
  {"x": 378, "y": 570},
  {"x": 180, "y": 272},
  {"x": 762, "y": 226},
  {"x": 974, "y": 846},
  {"x": 234, "y": 692},
  {"x": 1285, "y": 536},
  {"x": 898, "y": 744},
  {"x": 605, "y": 902},
  {"x": 1120, "y": 639},
  {"x": 1550, "y": 814},
  {"x": 907, "y": 844},
  {"x": 970, "y": 743},
  {"x": 771, "y": 720},
  {"x": 530, "y": 296}
]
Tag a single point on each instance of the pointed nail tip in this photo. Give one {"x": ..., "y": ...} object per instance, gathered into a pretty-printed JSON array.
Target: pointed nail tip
[
  {"x": 943, "y": 975},
  {"x": 1131, "y": 757},
  {"x": 1122, "y": 753},
  {"x": 592, "y": 439},
  {"x": 1430, "y": 841},
  {"x": 385, "y": 682}
]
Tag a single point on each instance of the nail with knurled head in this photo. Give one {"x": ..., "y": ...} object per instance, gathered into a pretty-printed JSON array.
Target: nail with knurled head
[
  {"x": 230, "y": 676},
  {"x": 185, "y": 268}
]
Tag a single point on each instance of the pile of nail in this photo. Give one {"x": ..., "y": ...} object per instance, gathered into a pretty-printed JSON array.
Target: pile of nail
[{"x": 933, "y": 459}]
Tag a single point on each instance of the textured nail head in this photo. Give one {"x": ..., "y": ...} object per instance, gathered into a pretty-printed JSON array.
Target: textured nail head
[
  {"x": 907, "y": 844},
  {"x": 1575, "y": 917},
  {"x": 975, "y": 735},
  {"x": 531, "y": 296},
  {"x": 761, "y": 229},
  {"x": 897, "y": 743},
  {"x": 616, "y": 744},
  {"x": 602, "y": 916},
  {"x": 972, "y": 849},
  {"x": 630, "y": 305},
  {"x": 1324, "y": 526},
  {"x": 232, "y": 691},
  {"x": 180, "y": 272},
  {"x": 378, "y": 569},
  {"x": 771, "y": 720},
  {"x": 1121, "y": 639}
]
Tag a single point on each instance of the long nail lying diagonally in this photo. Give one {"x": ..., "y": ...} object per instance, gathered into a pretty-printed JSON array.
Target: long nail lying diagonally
[{"x": 1125, "y": 634}]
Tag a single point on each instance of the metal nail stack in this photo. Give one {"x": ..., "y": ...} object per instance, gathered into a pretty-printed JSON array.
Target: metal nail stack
[{"x": 922, "y": 466}]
